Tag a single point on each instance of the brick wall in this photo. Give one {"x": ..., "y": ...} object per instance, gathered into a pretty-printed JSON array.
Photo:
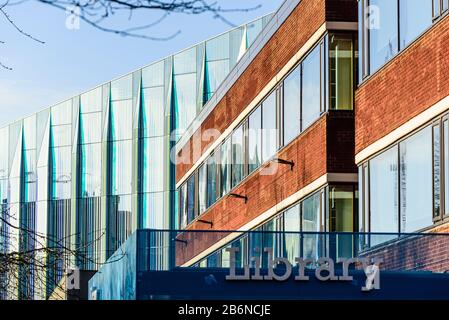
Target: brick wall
[{"x": 405, "y": 87}]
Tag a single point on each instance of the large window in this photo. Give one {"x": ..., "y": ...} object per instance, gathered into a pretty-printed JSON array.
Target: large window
[
  {"x": 269, "y": 128},
  {"x": 384, "y": 192},
  {"x": 311, "y": 212},
  {"x": 225, "y": 168},
  {"x": 436, "y": 171},
  {"x": 388, "y": 26},
  {"x": 202, "y": 188},
  {"x": 238, "y": 156},
  {"x": 211, "y": 180},
  {"x": 415, "y": 18},
  {"x": 311, "y": 87},
  {"x": 292, "y": 224},
  {"x": 416, "y": 181},
  {"x": 446, "y": 165},
  {"x": 255, "y": 140},
  {"x": 383, "y": 34},
  {"x": 292, "y": 105},
  {"x": 191, "y": 199}
]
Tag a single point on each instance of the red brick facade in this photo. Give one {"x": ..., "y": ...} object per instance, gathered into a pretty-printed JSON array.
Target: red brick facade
[
  {"x": 409, "y": 84},
  {"x": 303, "y": 22}
]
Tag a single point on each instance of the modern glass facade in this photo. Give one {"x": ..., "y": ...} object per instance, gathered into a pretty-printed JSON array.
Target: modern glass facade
[{"x": 88, "y": 172}]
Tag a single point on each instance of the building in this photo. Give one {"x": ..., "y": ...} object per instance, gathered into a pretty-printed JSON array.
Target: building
[
  {"x": 328, "y": 138},
  {"x": 82, "y": 175}
]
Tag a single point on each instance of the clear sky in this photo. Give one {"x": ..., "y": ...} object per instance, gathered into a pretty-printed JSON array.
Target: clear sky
[{"x": 72, "y": 61}]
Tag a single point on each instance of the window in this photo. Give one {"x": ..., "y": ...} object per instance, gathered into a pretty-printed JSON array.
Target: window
[
  {"x": 225, "y": 169},
  {"x": 292, "y": 105},
  {"x": 341, "y": 72},
  {"x": 384, "y": 191},
  {"x": 415, "y": 18},
  {"x": 311, "y": 84},
  {"x": 183, "y": 206},
  {"x": 238, "y": 156},
  {"x": 416, "y": 181},
  {"x": 255, "y": 140},
  {"x": 383, "y": 37},
  {"x": 211, "y": 180},
  {"x": 436, "y": 172},
  {"x": 269, "y": 132},
  {"x": 292, "y": 223},
  {"x": 311, "y": 211},
  {"x": 191, "y": 199},
  {"x": 202, "y": 188},
  {"x": 446, "y": 166},
  {"x": 439, "y": 7}
]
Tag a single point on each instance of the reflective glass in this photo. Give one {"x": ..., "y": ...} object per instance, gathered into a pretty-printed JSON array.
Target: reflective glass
[
  {"x": 216, "y": 72},
  {"x": 61, "y": 135},
  {"x": 446, "y": 166},
  {"x": 415, "y": 18},
  {"x": 185, "y": 61},
  {"x": 202, "y": 188},
  {"x": 225, "y": 172},
  {"x": 121, "y": 120},
  {"x": 292, "y": 223},
  {"x": 269, "y": 132},
  {"x": 122, "y": 88},
  {"x": 252, "y": 30},
  {"x": 255, "y": 139},
  {"x": 153, "y": 165},
  {"x": 292, "y": 105},
  {"x": 153, "y": 75},
  {"x": 341, "y": 212},
  {"x": 91, "y": 101},
  {"x": 311, "y": 84},
  {"x": 218, "y": 48},
  {"x": 383, "y": 35},
  {"x": 238, "y": 155},
  {"x": 211, "y": 180},
  {"x": 384, "y": 191},
  {"x": 154, "y": 210},
  {"x": 436, "y": 171},
  {"x": 62, "y": 172},
  {"x": 184, "y": 91},
  {"x": 153, "y": 112},
  {"x": 121, "y": 167},
  {"x": 191, "y": 199},
  {"x": 90, "y": 125},
  {"x": 416, "y": 181},
  {"x": 90, "y": 170},
  {"x": 311, "y": 210},
  {"x": 62, "y": 113},
  {"x": 183, "y": 206}
]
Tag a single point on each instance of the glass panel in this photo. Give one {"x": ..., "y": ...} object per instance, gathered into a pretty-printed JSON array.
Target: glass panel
[
  {"x": 154, "y": 210},
  {"x": 90, "y": 170},
  {"x": 62, "y": 172},
  {"x": 238, "y": 156},
  {"x": 341, "y": 72},
  {"x": 218, "y": 48},
  {"x": 415, "y": 18},
  {"x": 122, "y": 88},
  {"x": 445, "y": 5},
  {"x": 292, "y": 105},
  {"x": 91, "y": 101},
  {"x": 121, "y": 115},
  {"x": 153, "y": 117},
  {"x": 225, "y": 160},
  {"x": 436, "y": 172},
  {"x": 191, "y": 199},
  {"x": 383, "y": 37},
  {"x": 202, "y": 188},
  {"x": 211, "y": 180},
  {"x": 216, "y": 72},
  {"x": 269, "y": 132},
  {"x": 253, "y": 29},
  {"x": 446, "y": 166},
  {"x": 311, "y": 83},
  {"x": 341, "y": 213},
  {"x": 153, "y": 76},
  {"x": 153, "y": 165},
  {"x": 416, "y": 181},
  {"x": 61, "y": 135},
  {"x": 90, "y": 124},
  {"x": 436, "y": 8},
  {"x": 121, "y": 167},
  {"x": 255, "y": 140},
  {"x": 29, "y": 133},
  {"x": 384, "y": 192},
  {"x": 311, "y": 210},
  {"x": 185, "y": 62},
  {"x": 62, "y": 113},
  {"x": 292, "y": 223},
  {"x": 183, "y": 206},
  {"x": 184, "y": 90}
]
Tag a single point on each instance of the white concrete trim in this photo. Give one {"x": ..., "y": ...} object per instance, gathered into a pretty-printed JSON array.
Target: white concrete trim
[
  {"x": 342, "y": 25},
  {"x": 297, "y": 196},
  {"x": 403, "y": 130}
]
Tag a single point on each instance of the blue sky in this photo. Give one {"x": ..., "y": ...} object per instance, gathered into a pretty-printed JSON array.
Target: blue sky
[{"x": 72, "y": 61}]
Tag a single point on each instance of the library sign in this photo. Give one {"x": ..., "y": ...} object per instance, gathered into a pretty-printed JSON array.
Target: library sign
[{"x": 325, "y": 270}]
